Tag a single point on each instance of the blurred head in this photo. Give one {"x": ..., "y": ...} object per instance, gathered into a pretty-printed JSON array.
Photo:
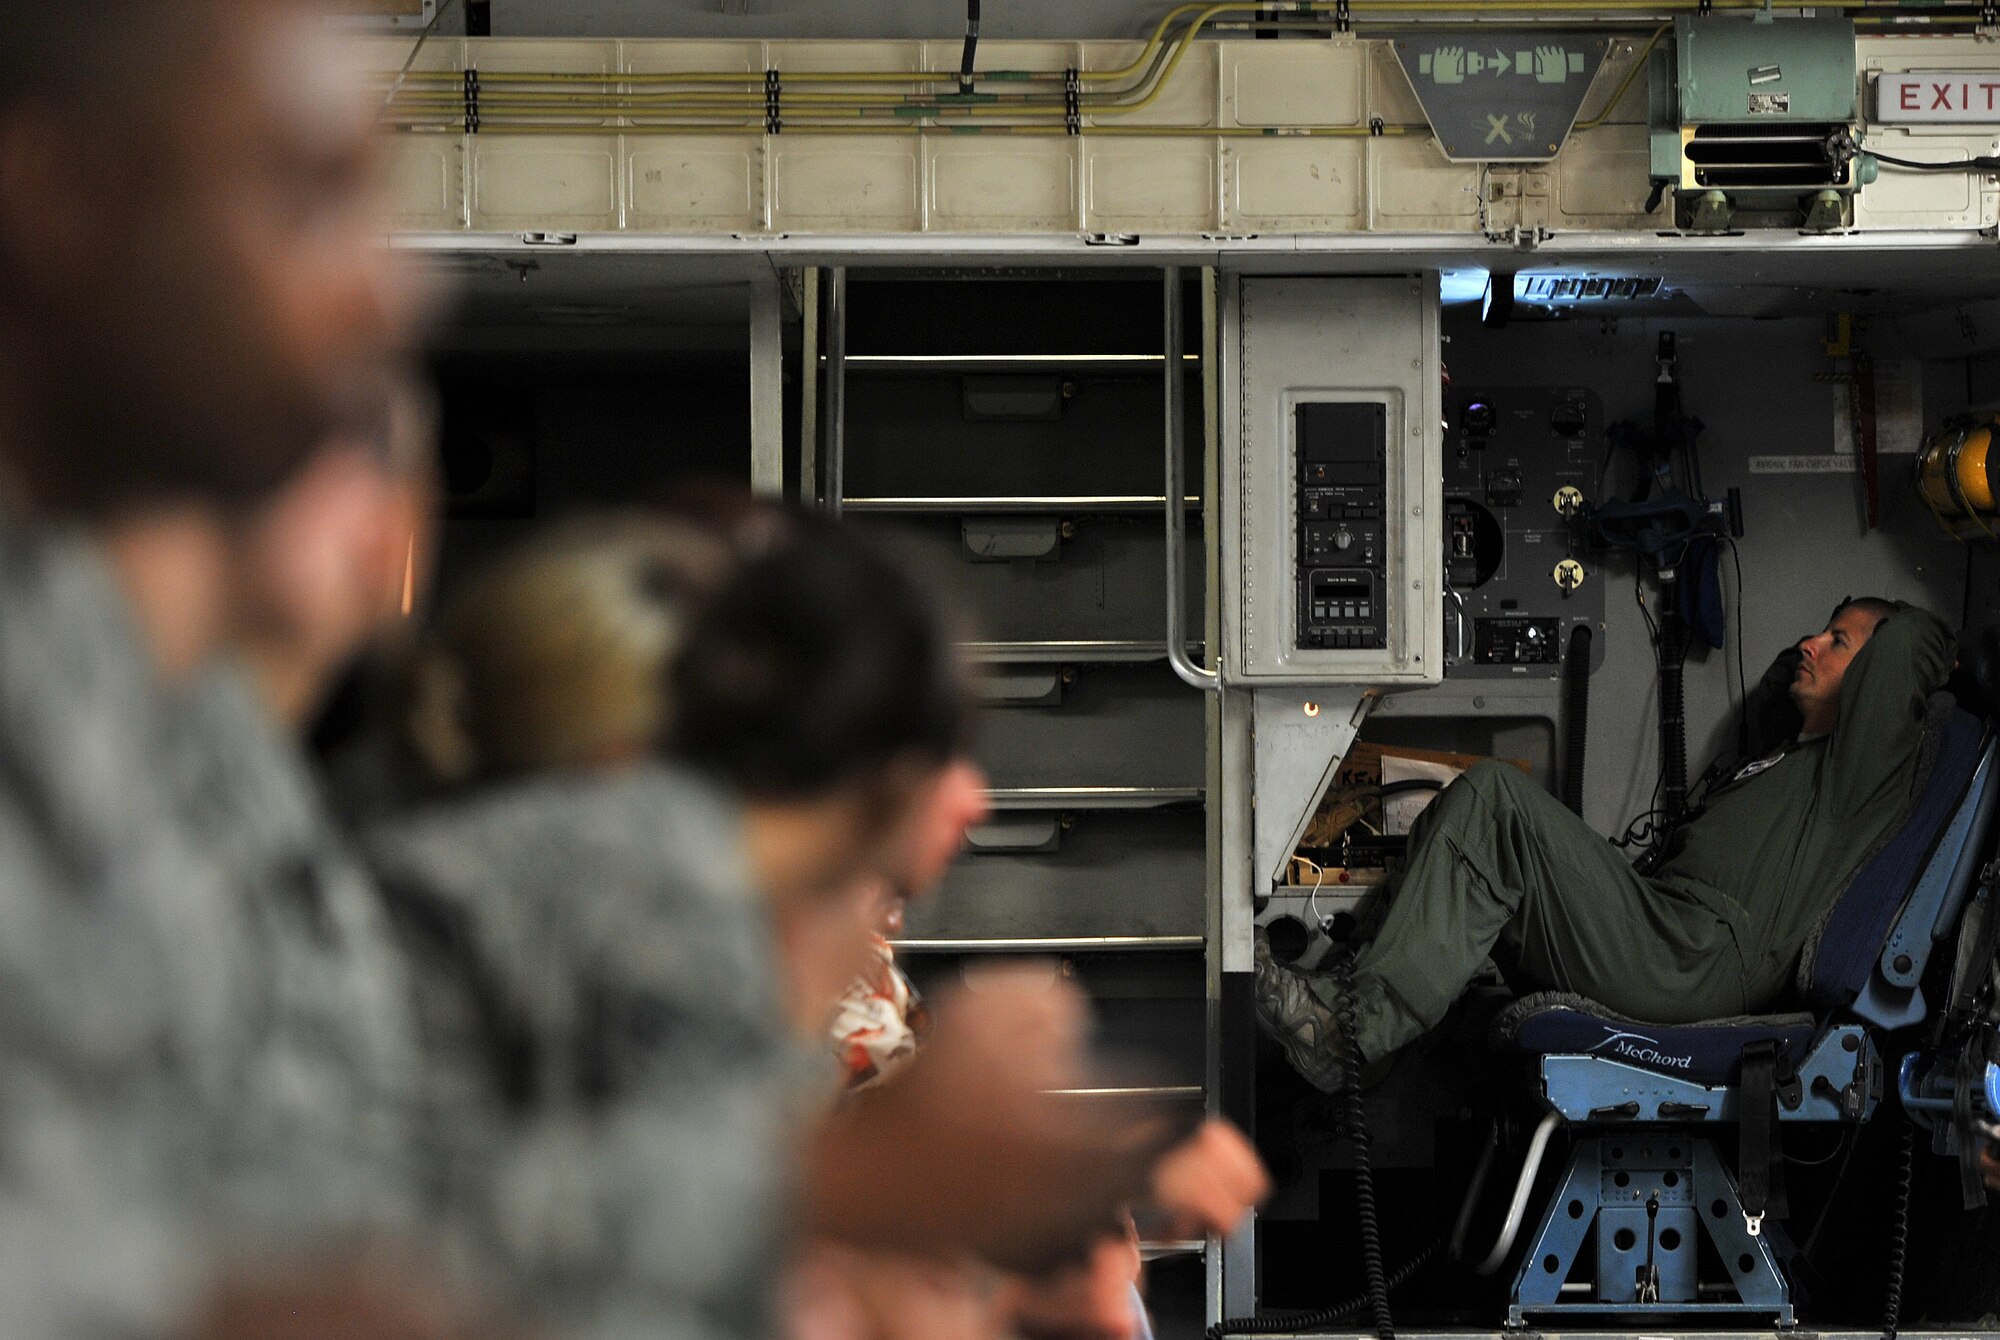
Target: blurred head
[
  {"x": 339, "y": 553},
  {"x": 557, "y": 657},
  {"x": 194, "y": 286},
  {"x": 822, "y": 683},
  {"x": 805, "y": 668},
  {"x": 1825, "y": 656}
]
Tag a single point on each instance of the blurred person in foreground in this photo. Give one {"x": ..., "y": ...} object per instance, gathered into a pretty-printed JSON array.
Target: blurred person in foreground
[
  {"x": 1205, "y": 1184},
  {"x": 193, "y": 294},
  {"x": 667, "y": 756}
]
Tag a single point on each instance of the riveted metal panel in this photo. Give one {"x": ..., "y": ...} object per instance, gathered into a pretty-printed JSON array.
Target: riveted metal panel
[
  {"x": 1294, "y": 83},
  {"x": 1313, "y": 185},
  {"x": 1150, "y": 185},
  {"x": 823, "y": 183},
  {"x": 695, "y": 183},
  {"x": 547, "y": 182},
  {"x": 1305, "y": 341},
  {"x": 1002, "y": 185}
]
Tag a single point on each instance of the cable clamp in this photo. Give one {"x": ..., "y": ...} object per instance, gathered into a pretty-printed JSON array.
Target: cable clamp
[
  {"x": 774, "y": 95},
  {"x": 1343, "y": 19},
  {"x": 1073, "y": 101},
  {"x": 1375, "y": 128},
  {"x": 471, "y": 102}
]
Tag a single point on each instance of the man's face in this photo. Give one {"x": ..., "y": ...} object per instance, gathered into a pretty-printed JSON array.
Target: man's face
[
  {"x": 213, "y": 274},
  {"x": 1824, "y": 660}
]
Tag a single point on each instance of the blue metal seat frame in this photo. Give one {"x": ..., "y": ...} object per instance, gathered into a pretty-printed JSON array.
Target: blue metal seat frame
[{"x": 1644, "y": 1180}]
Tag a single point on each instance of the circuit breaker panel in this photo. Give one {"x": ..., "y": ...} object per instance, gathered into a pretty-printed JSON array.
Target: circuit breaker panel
[
  {"x": 1332, "y": 540},
  {"x": 1519, "y": 464},
  {"x": 1343, "y": 501}
]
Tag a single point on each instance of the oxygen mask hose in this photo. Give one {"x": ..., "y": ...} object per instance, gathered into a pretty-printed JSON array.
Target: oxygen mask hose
[
  {"x": 1899, "y": 1232},
  {"x": 1364, "y": 1169},
  {"x": 1355, "y": 1126}
]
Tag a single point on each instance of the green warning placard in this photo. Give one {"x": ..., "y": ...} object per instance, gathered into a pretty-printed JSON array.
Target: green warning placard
[{"x": 1501, "y": 96}]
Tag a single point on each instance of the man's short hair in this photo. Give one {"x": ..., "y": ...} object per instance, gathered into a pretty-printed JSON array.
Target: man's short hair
[{"x": 1874, "y": 606}]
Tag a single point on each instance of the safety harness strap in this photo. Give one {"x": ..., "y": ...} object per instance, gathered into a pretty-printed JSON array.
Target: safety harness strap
[{"x": 1761, "y": 1165}]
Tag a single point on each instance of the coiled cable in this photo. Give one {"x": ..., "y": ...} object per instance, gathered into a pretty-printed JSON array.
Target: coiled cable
[
  {"x": 1899, "y": 1234},
  {"x": 1355, "y": 1126},
  {"x": 1362, "y": 1140}
]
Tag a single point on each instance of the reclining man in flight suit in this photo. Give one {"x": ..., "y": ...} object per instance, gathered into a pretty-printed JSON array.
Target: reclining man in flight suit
[{"x": 1498, "y": 866}]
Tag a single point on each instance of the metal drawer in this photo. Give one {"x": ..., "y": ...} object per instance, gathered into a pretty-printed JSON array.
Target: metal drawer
[
  {"x": 1105, "y": 581},
  {"x": 1132, "y": 875},
  {"x": 1091, "y": 725},
  {"x": 917, "y": 436}
]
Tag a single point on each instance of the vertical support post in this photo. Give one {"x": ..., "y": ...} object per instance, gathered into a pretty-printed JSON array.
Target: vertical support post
[
  {"x": 809, "y": 392},
  {"x": 836, "y": 389},
  {"x": 1237, "y": 1104},
  {"x": 1175, "y": 385},
  {"x": 767, "y": 387}
]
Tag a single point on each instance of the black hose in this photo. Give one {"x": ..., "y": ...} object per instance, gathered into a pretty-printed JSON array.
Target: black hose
[
  {"x": 1673, "y": 714},
  {"x": 1899, "y": 1234},
  {"x": 1576, "y": 716},
  {"x": 1330, "y": 1316},
  {"x": 1364, "y": 1169},
  {"x": 1355, "y": 1124},
  {"x": 971, "y": 46},
  {"x": 1982, "y": 163}
]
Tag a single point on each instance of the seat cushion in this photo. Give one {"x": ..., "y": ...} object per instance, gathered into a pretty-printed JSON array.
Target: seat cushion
[{"x": 1708, "y": 1052}]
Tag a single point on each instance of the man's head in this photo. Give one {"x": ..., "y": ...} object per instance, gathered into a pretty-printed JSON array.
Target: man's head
[
  {"x": 1825, "y": 656},
  {"x": 193, "y": 277}
]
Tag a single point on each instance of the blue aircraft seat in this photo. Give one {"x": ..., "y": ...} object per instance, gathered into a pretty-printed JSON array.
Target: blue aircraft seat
[{"x": 1643, "y": 1101}]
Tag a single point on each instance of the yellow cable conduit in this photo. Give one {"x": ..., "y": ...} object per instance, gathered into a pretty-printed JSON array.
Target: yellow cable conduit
[{"x": 553, "y": 102}]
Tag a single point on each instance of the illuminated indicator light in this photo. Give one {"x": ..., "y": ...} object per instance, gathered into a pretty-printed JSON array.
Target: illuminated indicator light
[{"x": 1312, "y": 709}]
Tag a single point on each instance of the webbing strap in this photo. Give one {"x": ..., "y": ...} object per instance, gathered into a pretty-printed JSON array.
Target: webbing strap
[{"x": 1760, "y": 1173}]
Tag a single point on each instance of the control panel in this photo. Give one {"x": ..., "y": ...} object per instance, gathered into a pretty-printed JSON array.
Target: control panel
[
  {"x": 1332, "y": 549},
  {"x": 1519, "y": 463},
  {"x": 1343, "y": 504}
]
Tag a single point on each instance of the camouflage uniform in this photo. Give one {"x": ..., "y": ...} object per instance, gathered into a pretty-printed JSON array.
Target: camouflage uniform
[
  {"x": 184, "y": 1055},
  {"x": 612, "y": 1089},
  {"x": 319, "y": 1141},
  {"x": 117, "y": 964}
]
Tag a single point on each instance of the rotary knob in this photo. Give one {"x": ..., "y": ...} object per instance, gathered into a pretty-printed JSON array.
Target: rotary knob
[{"x": 1343, "y": 538}]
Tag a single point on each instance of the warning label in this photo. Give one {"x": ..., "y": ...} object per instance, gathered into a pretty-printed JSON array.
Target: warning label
[
  {"x": 1802, "y": 465},
  {"x": 1770, "y": 104}
]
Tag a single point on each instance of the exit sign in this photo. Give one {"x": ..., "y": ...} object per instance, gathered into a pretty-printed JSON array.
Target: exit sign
[{"x": 1920, "y": 97}]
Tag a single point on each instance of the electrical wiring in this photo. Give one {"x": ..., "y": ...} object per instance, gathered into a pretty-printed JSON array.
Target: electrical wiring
[
  {"x": 998, "y": 101},
  {"x": 437, "y": 17},
  {"x": 1638, "y": 64},
  {"x": 1983, "y": 163},
  {"x": 1742, "y": 681}
]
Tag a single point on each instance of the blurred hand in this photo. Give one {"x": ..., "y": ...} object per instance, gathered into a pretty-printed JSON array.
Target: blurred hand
[
  {"x": 340, "y": 1302},
  {"x": 965, "y": 1149},
  {"x": 1093, "y": 1301},
  {"x": 841, "y": 1293},
  {"x": 1209, "y": 1183}
]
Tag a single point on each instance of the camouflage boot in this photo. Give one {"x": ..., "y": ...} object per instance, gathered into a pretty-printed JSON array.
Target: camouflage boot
[{"x": 1298, "y": 1021}]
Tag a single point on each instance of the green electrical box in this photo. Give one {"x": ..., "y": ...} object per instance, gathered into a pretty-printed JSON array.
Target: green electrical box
[
  {"x": 1756, "y": 114},
  {"x": 1736, "y": 70}
]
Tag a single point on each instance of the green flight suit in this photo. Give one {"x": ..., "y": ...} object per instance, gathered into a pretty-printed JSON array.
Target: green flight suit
[{"x": 1499, "y": 867}]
